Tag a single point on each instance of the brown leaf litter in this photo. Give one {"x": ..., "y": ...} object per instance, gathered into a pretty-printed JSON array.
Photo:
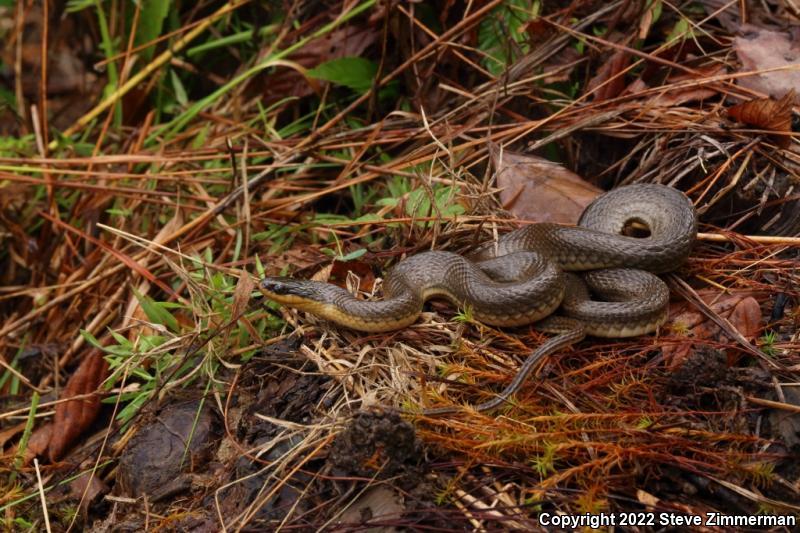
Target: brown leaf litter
[
  {"x": 770, "y": 59},
  {"x": 769, "y": 114},
  {"x": 537, "y": 190},
  {"x": 740, "y": 309}
]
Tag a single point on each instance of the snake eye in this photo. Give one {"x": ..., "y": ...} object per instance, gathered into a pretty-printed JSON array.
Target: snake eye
[{"x": 276, "y": 285}]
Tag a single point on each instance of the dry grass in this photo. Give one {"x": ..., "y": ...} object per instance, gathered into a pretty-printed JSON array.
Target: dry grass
[{"x": 606, "y": 426}]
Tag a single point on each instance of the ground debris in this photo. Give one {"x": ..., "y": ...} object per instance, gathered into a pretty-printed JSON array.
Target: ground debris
[{"x": 162, "y": 455}]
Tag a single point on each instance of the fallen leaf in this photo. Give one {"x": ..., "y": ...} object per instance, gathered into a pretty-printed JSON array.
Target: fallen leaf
[
  {"x": 759, "y": 49},
  {"x": 241, "y": 300},
  {"x": 10, "y": 432},
  {"x": 378, "y": 503},
  {"x": 241, "y": 294},
  {"x": 674, "y": 97},
  {"x": 74, "y": 416},
  {"x": 670, "y": 97},
  {"x": 72, "y": 85},
  {"x": 342, "y": 42},
  {"x": 730, "y": 15},
  {"x": 86, "y": 488},
  {"x": 67, "y": 70},
  {"x": 646, "y": 498},
  {"x": 741, "y": 310},
  {"x": 13, "y": 196},
  {"x": 342, "y": 269},
  {"x": 786, "y": 424},
  {"x": 299, "y": 257},
  {"x": 768, "y": 114},
  {"x": 725, "y": 12},
  {"x": 347, "y": 274},
  {"x": 610, "y": 79},
  {"x": 37, "y": 443},
  {"x": 535, "y": 189},
  {"x": 323, "y": 274},
  {"x": 556, "y": 69}
]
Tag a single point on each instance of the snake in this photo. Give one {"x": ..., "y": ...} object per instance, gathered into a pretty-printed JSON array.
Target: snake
[{"x": 530, "y": 273}]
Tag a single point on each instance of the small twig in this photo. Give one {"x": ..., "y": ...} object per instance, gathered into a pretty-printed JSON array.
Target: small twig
[
  {"x": 761, "y": 239},
  {"x": 772, "y": 403},
  {"x": 40, "y": 486},
  {"x": 750, "y": 495}
]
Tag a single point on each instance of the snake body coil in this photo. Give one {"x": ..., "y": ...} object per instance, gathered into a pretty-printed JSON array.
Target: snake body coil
[
  {"x": 521, "y": 279},
  {"x": 526, "y": 276}
]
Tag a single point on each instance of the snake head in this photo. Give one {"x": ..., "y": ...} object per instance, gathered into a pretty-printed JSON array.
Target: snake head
[{"x": 281, "y": 288}]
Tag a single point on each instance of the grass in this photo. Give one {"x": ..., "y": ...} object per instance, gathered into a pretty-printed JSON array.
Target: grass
[{"x": 220, "y": 143}]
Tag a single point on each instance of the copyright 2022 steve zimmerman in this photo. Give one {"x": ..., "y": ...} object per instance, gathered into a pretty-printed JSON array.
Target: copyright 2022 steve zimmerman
[{"x": 641, "y": 519}]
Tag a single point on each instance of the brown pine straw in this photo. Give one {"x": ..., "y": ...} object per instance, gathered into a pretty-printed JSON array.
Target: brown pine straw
[{"x": 759, "y": 239}]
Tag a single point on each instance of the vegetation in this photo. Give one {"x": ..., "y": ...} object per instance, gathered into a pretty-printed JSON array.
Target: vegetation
[{"x": 158, "y": 158}]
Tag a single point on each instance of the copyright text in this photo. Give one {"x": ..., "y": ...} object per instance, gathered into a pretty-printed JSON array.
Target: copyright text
[{"x": 710, "y": 519}]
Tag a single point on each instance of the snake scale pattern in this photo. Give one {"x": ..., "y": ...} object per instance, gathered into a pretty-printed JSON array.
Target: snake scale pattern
[{"x": 529, "y": 273}]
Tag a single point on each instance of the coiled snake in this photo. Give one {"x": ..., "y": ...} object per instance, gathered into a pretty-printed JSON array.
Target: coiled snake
[{"x": 526, "y": 276}]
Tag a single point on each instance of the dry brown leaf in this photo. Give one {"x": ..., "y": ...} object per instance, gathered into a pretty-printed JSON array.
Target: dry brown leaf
[
  {"x": 725, "y": 12},
  {"x": 760, "y": 49},
  {"x": 768, "y": 114},
  {"x": 241, "y": 294},
  {"x": 609, "y": 80},
  {"x": 675, "y": 97},
  {"x": 787, "y": 423},
  {"x": 342, "y": 42},
  {"x": 670, "y": 97},
  {"x": 74, "y": 416},
  {"x": 741, "y": 310},
  {"x": 646, "y": 498},
  {"x": 67, "y": 71},
  {"x": 378, "y": 503},
  {"x": 37, "y": 443},
  {"x": 86, "y": 488},
  {"x": 340, "y": 269},
  {"x": 241, "y": 300},
  {"x": 10, "y": 432},
  {"x": 555, "y": 65},
  {"x": 13, "y": 196},
  {"x": 768, "y": 14},
  {"x": 299, "y": 257},
  {"x": 746, "y": 317},
  {"x": 535, "y": 189}
]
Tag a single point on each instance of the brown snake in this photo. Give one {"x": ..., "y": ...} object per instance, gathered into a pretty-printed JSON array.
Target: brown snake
[{"x": 524, "y": 277}]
